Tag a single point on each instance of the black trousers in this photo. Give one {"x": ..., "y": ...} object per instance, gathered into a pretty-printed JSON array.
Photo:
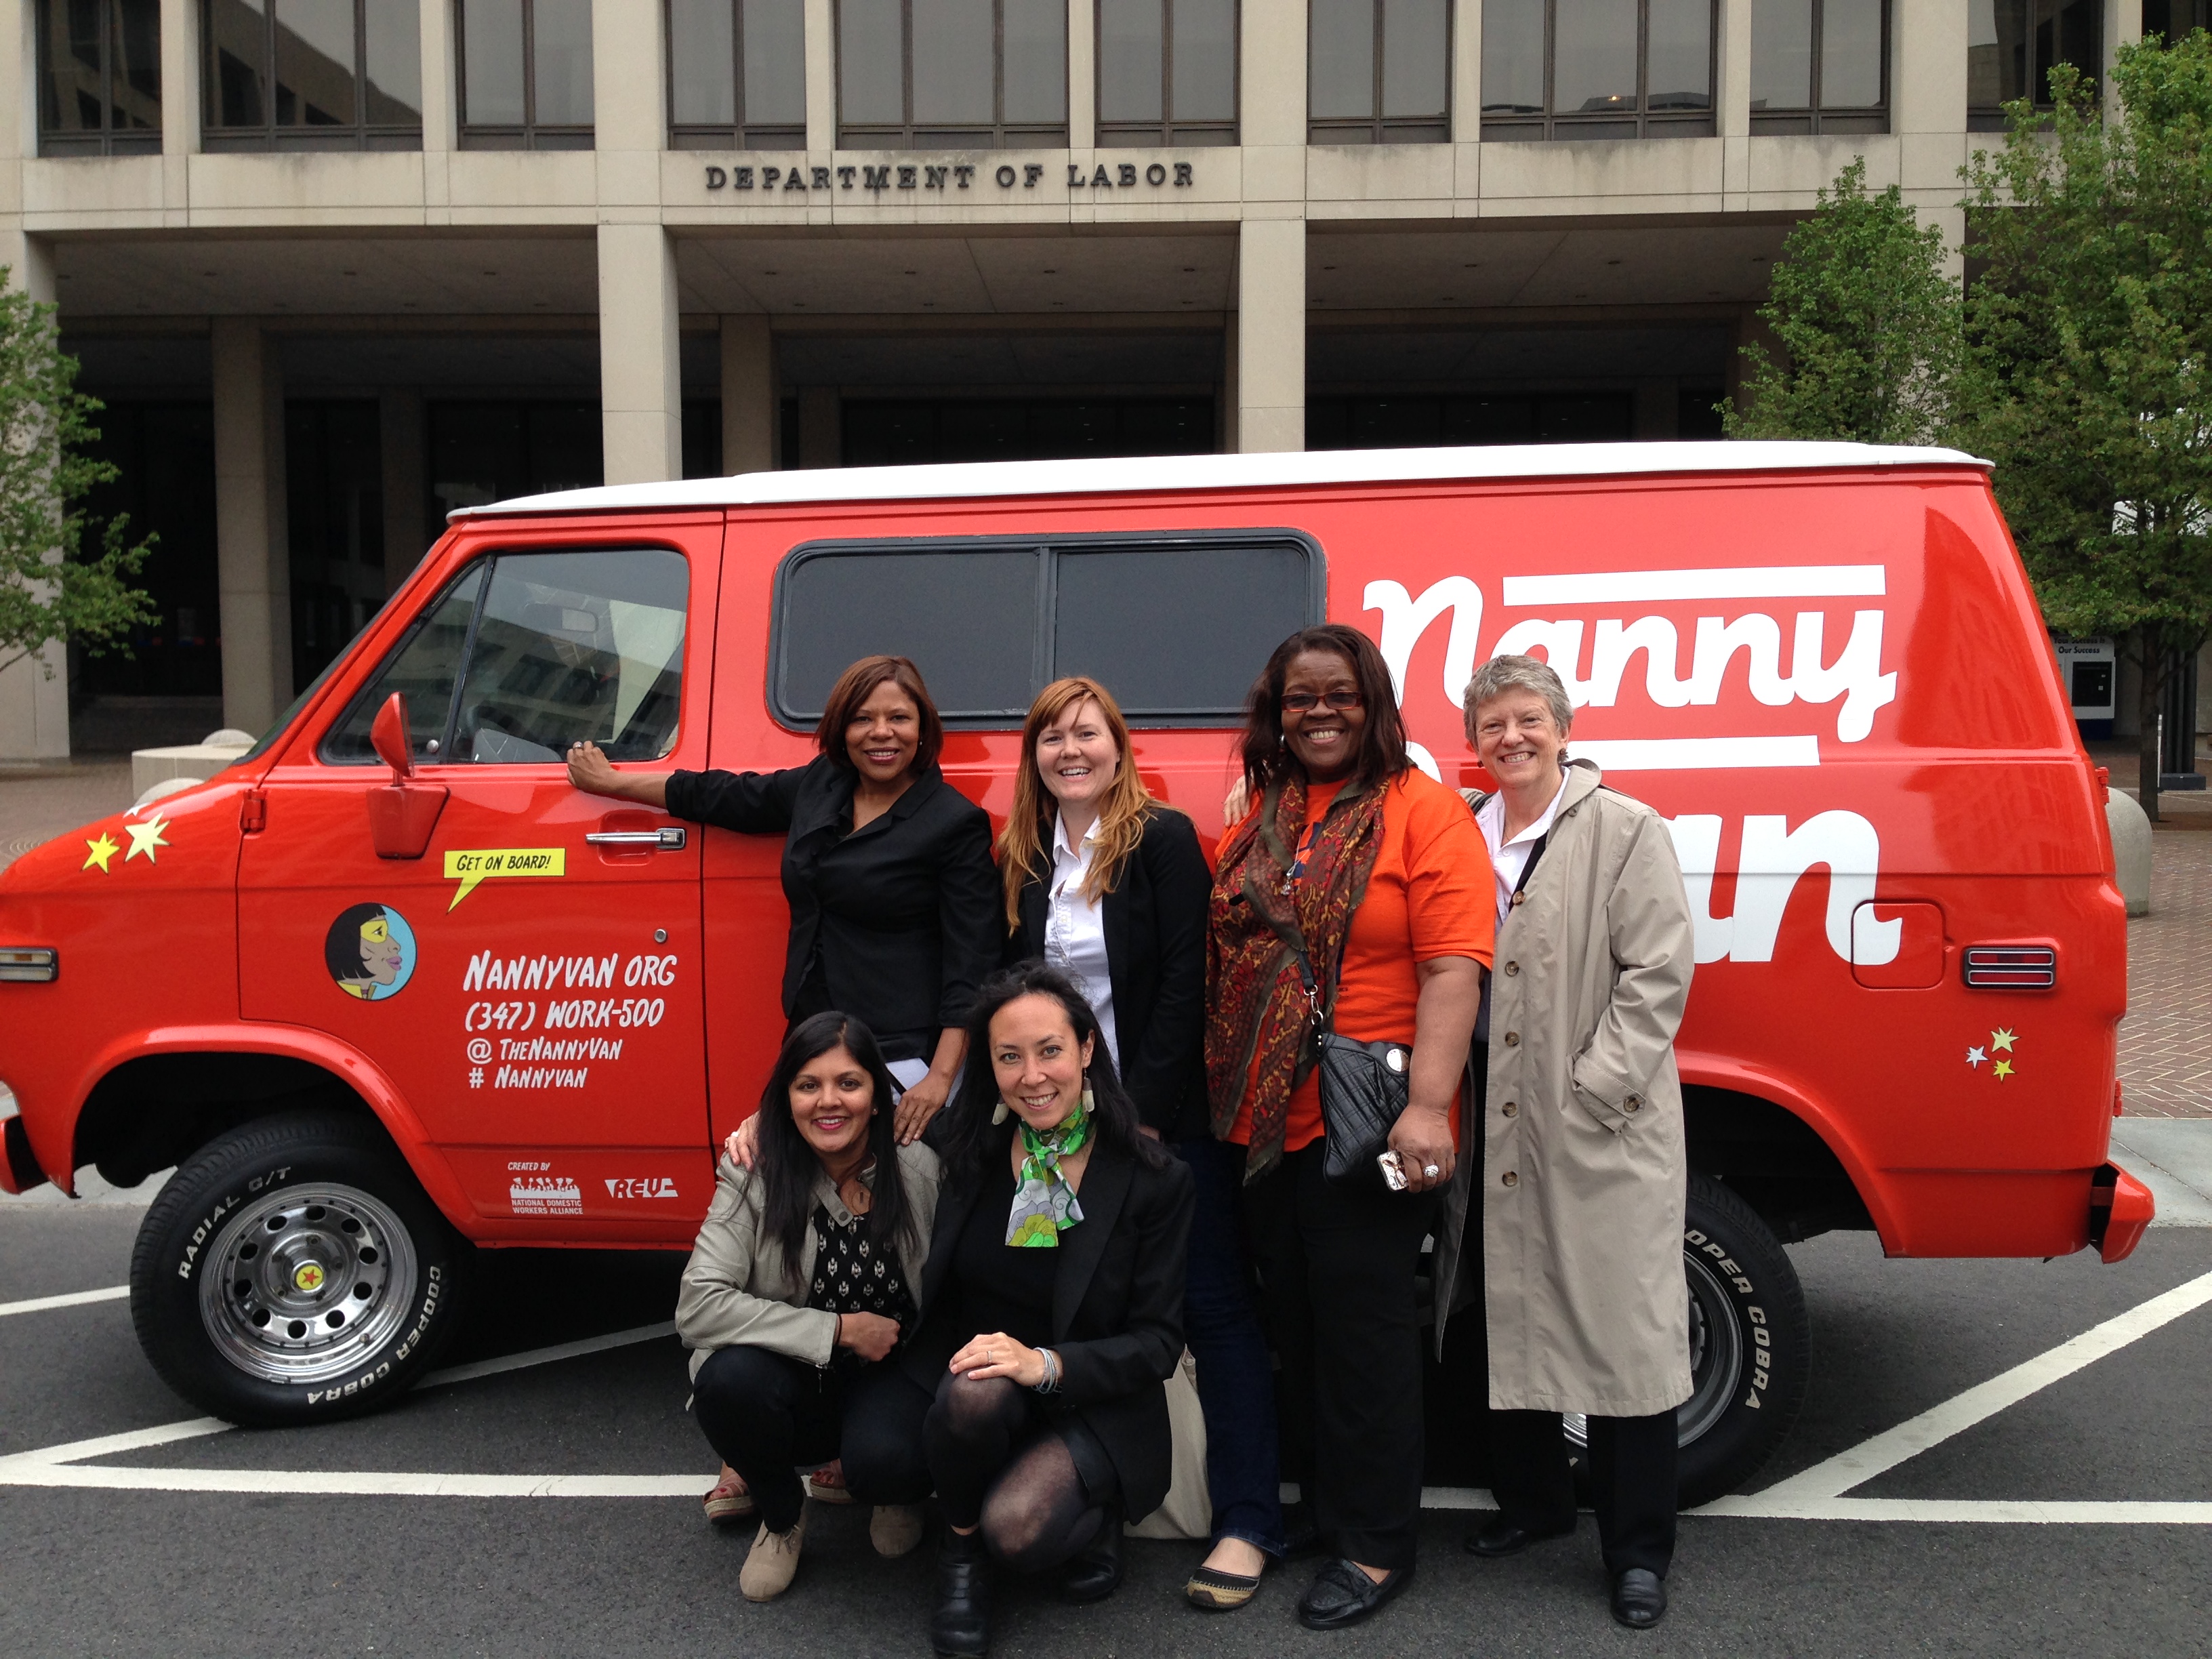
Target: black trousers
[
  {"x": 1336, "y": 1275},
  {"x": 769, "y": 1415},
  {"x": 1632, "y": 1459}
]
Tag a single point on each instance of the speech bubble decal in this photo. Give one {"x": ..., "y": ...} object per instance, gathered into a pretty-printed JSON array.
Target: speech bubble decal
[{"x": 476, "y": 864}]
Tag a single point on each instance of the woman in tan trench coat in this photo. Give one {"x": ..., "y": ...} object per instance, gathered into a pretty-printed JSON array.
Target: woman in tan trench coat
[{"x": 1582, "y": 1179}]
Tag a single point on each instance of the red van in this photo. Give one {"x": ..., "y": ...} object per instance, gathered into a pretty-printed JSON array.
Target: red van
[{"x": 445, "y": 1000}]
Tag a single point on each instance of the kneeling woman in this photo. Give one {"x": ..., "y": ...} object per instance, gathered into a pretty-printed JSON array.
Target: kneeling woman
[
  {"x": 798, "y": 1289},
  {"x": 1053, "y": 1298}
]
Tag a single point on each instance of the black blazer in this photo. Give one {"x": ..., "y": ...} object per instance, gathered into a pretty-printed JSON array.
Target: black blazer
[
  {"x": 903, "y": 915},
  {"x": 1155, "y": 923},
  {"x": 1117, "y": 1308}
]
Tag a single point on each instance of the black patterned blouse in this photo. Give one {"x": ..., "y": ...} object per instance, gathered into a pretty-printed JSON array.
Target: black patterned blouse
[{"x": 851, "y": 1277}]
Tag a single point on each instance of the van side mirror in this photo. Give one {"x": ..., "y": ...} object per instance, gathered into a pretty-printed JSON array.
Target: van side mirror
[{"x": 402, "y": 814}]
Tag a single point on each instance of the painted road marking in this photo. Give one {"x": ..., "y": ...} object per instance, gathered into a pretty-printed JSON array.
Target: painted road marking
[
  {"x": 73, "y": 1299},
  {"x": 516, "y": 1362}
]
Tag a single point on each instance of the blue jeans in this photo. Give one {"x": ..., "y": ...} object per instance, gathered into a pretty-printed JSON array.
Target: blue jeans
[{"x": 1235, "y": 1377}]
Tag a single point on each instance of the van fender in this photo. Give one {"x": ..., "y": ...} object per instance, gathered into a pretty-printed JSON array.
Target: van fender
[
  {"x": 1715, "y": 1070},
  {"x": 318, "y": 1048}
]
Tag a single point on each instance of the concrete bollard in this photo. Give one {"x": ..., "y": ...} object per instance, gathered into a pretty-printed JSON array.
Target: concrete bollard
[{"x": 2130, "y": 849}]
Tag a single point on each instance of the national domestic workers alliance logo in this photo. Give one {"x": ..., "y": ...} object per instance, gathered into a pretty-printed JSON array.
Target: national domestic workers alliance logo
[{"x": 370, "y": 951}]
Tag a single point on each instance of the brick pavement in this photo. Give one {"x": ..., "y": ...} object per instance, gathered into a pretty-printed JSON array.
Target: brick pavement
[{"x": 2166, "y": 1061}]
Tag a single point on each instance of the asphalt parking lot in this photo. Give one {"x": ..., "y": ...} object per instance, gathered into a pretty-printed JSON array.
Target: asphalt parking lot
[{"x": 2006, "y": 1469}]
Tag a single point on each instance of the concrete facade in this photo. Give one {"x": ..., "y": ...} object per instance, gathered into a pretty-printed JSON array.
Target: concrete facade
[{"x": 1258, "y": 275}]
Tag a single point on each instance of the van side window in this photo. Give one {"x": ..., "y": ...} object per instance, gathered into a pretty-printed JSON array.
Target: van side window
[
  {"x": 1176, "y": 625},
  {"x": 532, "y": 652}
]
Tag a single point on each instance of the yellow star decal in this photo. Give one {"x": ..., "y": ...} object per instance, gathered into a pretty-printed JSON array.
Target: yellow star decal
[
  {"x": 144, "y": 838},
  {"x": 2001, "y": 1041},
  {"x": 98, "y": 852},
  {"x": 2001, "y": 1070}
]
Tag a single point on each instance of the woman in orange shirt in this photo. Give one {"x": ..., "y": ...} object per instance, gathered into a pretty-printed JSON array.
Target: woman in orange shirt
[{"x": 1382, "y": 871}]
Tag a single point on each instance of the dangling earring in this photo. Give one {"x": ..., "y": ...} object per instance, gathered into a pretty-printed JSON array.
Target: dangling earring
[
  {"x": 999, "y": 1112},
  {"x": 1089, "y": 1101}
]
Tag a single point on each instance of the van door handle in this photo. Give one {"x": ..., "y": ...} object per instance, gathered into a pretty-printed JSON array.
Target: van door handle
[{"x": 668, "y": 840}]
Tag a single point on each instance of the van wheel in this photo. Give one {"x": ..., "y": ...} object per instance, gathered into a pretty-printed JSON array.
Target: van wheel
[
  {"x": 294, "y": 1272},
  {"x": 1750, "y": 1348}
]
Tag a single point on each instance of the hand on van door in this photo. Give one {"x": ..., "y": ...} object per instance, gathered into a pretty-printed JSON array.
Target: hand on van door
[{"x": 591, "y": 771}]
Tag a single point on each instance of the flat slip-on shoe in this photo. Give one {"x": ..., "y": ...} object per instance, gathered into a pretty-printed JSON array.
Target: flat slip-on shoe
[
  {"x": 1502, "y": 1538},
  {"x": 1342, "y": 1594},
  {"x": 1639, "y": 1598},
  {"x": 1213, "y": 1590}
]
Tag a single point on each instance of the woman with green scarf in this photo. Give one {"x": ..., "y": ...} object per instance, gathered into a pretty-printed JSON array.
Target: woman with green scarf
[{"x": 1053, "y": 1291}]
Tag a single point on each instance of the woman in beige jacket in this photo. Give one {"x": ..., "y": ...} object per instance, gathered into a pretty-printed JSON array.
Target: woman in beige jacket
[
  {"x": 806, "y": 1274},
  {"x": 1578, "y": 1202}
]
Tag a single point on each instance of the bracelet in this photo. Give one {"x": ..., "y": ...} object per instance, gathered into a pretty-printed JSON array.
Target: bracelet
[{"x": 1050, "y": 1382}]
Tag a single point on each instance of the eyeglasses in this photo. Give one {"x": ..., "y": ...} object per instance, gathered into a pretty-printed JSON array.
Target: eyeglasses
[{"x": 1304, "y": 702}]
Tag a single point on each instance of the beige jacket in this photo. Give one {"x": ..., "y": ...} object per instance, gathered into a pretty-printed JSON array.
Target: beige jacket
[
  {"x": 738, "y": 1288},
  {"x": 1583, "y": 1169}
]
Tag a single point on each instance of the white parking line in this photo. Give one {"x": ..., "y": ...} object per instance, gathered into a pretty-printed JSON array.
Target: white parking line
[
  {"x": 1953, "y": 1511},
  {"x": 73, "y": 1299},
  {"x": 516, "y": 1362}
]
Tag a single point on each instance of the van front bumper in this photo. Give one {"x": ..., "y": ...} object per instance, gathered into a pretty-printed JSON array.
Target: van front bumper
[
  {"x": 2120, "y": 1207},
  {"x": 19, "y": 1167}
]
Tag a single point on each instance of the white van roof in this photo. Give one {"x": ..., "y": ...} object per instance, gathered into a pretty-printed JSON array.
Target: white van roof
[{"x": 988, "y": 479}]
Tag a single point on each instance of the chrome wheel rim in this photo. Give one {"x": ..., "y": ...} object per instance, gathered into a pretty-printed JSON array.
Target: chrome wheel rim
[
  {"x": 1716, "y": 1360},
  {"x": 304, "y": 1284}
]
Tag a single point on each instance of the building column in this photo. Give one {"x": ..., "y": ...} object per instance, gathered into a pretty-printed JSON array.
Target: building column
[
  {"x": 821, "y": 38},
  {"x": 440, "y": 91},
  {"x": 1082, "y": 74},
  {"x": 252, "y": 555},
  {"x": 1466, "y": 71},
  {"x": 180, "y": 102},
  {"x": 33, "y": 692},
  {"x": 1271, "y": 335},
  {"x": 2122, "y": 27},
  {"x": 1927, "y": 111},
  {"x": 640, "y": 371},
  {"x": 404, "y": 455},
  {"x": 748, "y": 395},
  {"x": 821, "y": 428}
]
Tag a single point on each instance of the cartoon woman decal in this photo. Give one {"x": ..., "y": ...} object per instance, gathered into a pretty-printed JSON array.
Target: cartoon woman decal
[{"x": 370, "y": 951}]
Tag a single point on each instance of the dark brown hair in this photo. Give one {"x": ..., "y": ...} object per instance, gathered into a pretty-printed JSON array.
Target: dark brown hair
[
  {"x": 1268, "y": 759},
  {"x": 852, "y": 690}
]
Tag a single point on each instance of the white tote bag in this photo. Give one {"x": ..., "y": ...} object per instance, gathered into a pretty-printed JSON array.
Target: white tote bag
[{"x": 1188, "y": 1512}]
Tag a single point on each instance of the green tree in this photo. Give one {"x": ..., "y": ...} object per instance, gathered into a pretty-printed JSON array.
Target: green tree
[
  {"x": 53, "y": 586},
  {"x": 1868, "y": 319},
  {"x": 2089, "y": 334}
]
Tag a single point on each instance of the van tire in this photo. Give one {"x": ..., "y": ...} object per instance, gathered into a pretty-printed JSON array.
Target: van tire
[
  {"x": 1745, "y": 1305},
  {"x": 293, "y": 1271}
]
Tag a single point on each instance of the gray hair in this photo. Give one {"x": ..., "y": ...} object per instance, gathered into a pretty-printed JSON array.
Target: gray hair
[{"x": 1509, "y": 673}]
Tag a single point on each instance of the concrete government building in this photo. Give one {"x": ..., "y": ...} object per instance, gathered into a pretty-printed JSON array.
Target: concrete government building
[{"x": 338, "y": 266}]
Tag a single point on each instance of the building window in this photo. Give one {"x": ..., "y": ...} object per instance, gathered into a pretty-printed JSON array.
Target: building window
[
  {"x": 2171, "y": 18},
  {"x": 526, "y": 74},
  {"x": 1167, "y": 71},
  {"x": 1820, "y": 66},
  {"x": 311, "y": 75},
  {"x": 737, "y": 74},
  {"x": 916, "y": 74},
  {"x": 2011, "y": 45},
  {"x": 100, "y": 77},
  {"x": 1597, "y": 68},
  {"x": 1379, "y": 72}
]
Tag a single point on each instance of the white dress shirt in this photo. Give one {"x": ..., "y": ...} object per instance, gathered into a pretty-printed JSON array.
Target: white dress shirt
[
  {"x": 1508, "y": 859},
  {"x": 1075, "y": 929}
]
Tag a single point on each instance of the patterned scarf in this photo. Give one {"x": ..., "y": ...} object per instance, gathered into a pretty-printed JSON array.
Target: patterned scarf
[
  {"x": 1044, "y": 1204},
  {"x": 1256, "y": 1003}
]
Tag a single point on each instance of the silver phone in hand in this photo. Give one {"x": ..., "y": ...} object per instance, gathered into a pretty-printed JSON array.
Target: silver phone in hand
[{"x": 1394, "y": 1170}]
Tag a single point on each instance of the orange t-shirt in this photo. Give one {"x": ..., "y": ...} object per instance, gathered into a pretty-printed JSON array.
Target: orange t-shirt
[{"x": 1431, "y": 894}]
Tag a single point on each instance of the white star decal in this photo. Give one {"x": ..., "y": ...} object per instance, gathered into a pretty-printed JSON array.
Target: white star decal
[{"x": 1975, "y": 1057}]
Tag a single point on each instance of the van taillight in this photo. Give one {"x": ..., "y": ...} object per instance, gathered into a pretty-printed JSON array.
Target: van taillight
[{"x": 2012, "y": 967}]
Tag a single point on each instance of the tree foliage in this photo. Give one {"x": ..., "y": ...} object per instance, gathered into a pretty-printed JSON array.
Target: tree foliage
[
  {"x": 1868, "y": 317},
  {"x": 2089, "y": 353},
  {"x": 53, "y": 586}
]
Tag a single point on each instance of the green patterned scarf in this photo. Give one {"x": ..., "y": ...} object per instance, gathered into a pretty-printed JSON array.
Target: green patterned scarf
[{"x": 1044, "y": 1204}]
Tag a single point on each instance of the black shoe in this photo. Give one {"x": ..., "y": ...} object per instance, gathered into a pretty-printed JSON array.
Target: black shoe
[
  {"x": 1502, "y": 1538},
  {"x": 1301, "y": 1534},
  {"x": 1095, "y": 1573},
  {"x": 1342, "y": 1594},
  {"x": 1639, "y": 1598},
  {"x": 961, "y": 1626}
]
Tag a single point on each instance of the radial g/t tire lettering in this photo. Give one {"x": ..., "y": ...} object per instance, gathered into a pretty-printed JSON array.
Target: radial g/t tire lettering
[{"x": 293, "y": 1272}]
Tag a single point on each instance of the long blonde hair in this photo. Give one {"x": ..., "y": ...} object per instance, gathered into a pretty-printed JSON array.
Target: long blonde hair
[{"x": 1024, "y": 845}]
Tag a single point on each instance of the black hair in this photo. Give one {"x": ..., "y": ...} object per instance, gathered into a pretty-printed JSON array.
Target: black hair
[
  {"x": 786, "y": 1165},
  {"x": 1268, "y": 758},
  {"x": 970, "y": 1140},
  {"x": 342, "y": 945}
]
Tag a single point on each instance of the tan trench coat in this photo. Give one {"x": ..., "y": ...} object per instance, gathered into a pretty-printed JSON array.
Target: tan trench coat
[{"x": 1584, "y": 1168}]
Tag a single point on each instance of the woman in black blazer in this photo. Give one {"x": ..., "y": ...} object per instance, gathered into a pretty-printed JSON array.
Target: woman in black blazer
[
  {"x": 1052, "y": 1308},
  {"x": 1110, "y": 886},
  {"x": 887, "y": 868}
]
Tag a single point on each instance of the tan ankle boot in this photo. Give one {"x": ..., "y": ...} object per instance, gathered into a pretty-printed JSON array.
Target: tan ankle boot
[{"x": 772, "y": 1562}]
